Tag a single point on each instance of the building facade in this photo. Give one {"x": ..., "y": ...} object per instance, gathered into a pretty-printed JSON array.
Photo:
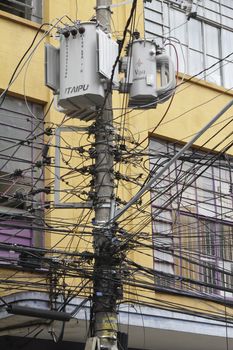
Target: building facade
[{"x": 177, "y": 273}]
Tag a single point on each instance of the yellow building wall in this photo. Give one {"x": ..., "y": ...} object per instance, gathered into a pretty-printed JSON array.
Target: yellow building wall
[
  {"x": 16, "y": 36},
  {"x": 193, "y": 106}
]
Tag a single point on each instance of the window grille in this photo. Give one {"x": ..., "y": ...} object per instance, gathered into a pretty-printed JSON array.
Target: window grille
[
  {"x": 18, "y": 175},
  {"x": 192, "y": 218},
  {"x": 29, "y": 9}
]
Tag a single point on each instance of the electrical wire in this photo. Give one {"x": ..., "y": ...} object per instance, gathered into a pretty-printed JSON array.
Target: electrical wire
[{"x": 75, "y": 235}]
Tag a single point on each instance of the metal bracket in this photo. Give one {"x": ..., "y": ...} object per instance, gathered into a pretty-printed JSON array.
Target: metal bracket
[
  {"x": 57, "y": 202},
  {"x": 103, "y": 7}
]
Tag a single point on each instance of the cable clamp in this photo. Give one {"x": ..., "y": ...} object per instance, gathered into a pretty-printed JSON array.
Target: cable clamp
[
  {"x": 103, "y": 7},
  {"x": 103, "y": 205},
  {"x": 99, "y": 223}
]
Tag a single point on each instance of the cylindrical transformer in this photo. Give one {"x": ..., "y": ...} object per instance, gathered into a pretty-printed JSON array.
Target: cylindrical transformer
[
  {"x": 142, "y": 72},
  {"x": 150, "y": 76},
  {"x": 80, "y": 84}
]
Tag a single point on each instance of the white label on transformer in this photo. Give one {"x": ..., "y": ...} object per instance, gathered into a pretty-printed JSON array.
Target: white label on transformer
[{"x": 150, "y": 79}]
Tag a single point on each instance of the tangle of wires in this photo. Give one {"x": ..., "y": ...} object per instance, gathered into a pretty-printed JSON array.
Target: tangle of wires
[{"x": 191, "y": 223}]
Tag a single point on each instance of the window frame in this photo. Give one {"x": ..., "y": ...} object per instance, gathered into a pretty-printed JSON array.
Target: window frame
[
  {"x": 36, "y": 7},
  {"x": 172, "y": 274},
  {"x": 169, "y": 7},
  {"x": 16, "y": 218}
]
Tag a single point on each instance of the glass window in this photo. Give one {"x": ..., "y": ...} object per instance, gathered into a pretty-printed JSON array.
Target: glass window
[
  {"x": 154, "y": 16},
  {"x": 227, "y": 3},
  {"x": 177, "y": 20},
  {"x": 21, "y": 142},
  {"x": 196, "y": 62},
  {"x": 226, "y": 11},
  {"x": 227, "y": 21},
  {"x": 195, "y": 41},
  {"x": 193, "y": 232},
  {"x": 153, "y": 30},
  {"x": 213, "y": 5},
  {"x": 213, "y": 16},
  {"x": 212, "y": 40},
  {"x": 29, "y": 9},
  {"x": 227, "y": 43},
  {"x": 227, "y": 68},
  {"x": 155, "y": 5},
  {"x": 165, "y": 15},
  {"x": 214, "y": 74},
  {"x": 206, "y": 43}
]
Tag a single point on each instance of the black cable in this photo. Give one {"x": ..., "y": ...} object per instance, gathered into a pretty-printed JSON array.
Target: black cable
[
  {"x": 4, "y": 302},
  {"x": 176, "y": 195},
  {"x": 205, "y": 143},
  {"x": 133, "y": 9}
]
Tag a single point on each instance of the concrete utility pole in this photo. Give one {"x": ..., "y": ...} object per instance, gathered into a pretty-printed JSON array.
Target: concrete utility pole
[{"x": 105, "y": 281}]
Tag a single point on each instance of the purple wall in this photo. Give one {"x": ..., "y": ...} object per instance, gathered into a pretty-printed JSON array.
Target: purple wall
[{"x": 12, "y": 235}]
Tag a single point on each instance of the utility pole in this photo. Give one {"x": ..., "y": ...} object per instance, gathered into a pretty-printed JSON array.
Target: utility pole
[
  {"x": 81, "y": 86},
  {"x": 105, "y": 275}
]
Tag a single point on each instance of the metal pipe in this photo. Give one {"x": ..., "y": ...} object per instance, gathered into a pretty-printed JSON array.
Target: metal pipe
[{"x": 40, "y": 313}]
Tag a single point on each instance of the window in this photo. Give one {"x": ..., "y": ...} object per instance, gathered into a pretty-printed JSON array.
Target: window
[
  {"x": 192, "y": 215},
  {"x": 21, "y": 176},
  {"x": 29, "y": 9},
  {"x": 204, "y": 41}
]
